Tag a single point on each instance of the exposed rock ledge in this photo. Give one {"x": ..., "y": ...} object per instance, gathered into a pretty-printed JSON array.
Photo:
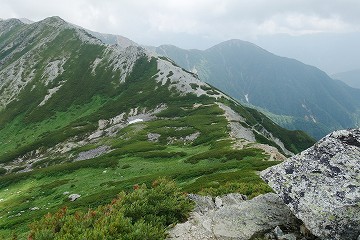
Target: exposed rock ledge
[
  {"x": 233, "y": 217},
  {"x": 321, "y": 185}
]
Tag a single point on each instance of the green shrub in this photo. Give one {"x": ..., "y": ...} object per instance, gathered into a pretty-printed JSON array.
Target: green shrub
[
  {"x": 125, "y": 166},
  {"x": 194, "y": 86},
  {"x": 142, "y": 214},
  {"x": 205, "y": 88},
  {"x": 225, "y": 155},
  {"x": 159, "y": 154},
  {"x": 249, "y": 189},
  {"x": 2, "y": 171}
]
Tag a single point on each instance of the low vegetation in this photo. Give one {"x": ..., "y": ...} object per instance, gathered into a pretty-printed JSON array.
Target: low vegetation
[{"x": 145, "y": 213}]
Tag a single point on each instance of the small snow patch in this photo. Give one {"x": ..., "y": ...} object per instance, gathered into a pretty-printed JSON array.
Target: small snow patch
[
  {"x": 136, "y": 121},
  {"x": 50, "y": 93},
  {"x": 247, "y": 97}
]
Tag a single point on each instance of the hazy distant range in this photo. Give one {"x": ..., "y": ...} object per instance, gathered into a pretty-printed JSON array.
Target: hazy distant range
[{"x": 332, "y": 53}]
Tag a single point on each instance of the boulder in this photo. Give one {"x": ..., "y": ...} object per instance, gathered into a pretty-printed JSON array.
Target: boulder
[
  {"x": 74, "y": 196},
  {"x": 321, "y": 185},
  {"x": 234, "y": 217}
]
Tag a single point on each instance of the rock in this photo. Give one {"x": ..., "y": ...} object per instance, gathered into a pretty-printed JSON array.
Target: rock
[
  {"x": 235, "y": 219},
  {"x": 93, "y": 153},
  {"x": 233, "y": 198},
  {"x": 321, "y": 185},
  {"x": 218, "y": 202},
  {"x": 153, "y": 137},
  {"x": 270, "y": 236},
  {"x": 278, "y": 232},
  {"x": 202, "y": 203},
  {"x": 74, "y": 196},
  {"x": 289, "y": 236}
]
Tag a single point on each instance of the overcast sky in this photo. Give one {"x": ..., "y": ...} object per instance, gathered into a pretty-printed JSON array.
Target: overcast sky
[{"x": 194, "y": 23}]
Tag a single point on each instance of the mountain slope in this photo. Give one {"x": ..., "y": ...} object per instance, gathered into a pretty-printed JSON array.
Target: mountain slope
[
  {"x": 302, "y": 96},
  {"x": 81, "y": 117},
  {"x": 351, "y": 78}
]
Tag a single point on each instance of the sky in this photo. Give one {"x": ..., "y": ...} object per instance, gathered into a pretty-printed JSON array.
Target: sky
[{"x": 196, "y": 23}]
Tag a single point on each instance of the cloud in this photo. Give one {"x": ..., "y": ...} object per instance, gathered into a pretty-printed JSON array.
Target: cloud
[{"x": 153, "y": 21}]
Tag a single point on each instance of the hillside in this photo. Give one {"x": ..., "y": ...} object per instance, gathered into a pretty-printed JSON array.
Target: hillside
[
  {"x": 296, "y": 96},
  {"x": 351, "y": 78},
  {"x": 80, "y": 119}
]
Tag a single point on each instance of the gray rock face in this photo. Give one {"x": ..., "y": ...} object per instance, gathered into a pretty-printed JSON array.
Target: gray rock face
[
  {"x": 93, "y": 153},
  {"x": 233, "y": 217},
  {"x": 321, "y": 185}
]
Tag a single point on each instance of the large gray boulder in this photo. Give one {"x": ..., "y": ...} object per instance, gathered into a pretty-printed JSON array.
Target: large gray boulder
[
  {"x": 321, "y": 185},
  {"x": 233, "y": 217}
]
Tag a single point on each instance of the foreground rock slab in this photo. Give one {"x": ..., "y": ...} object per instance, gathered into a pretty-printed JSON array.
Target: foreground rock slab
[
  {"x": 321, "y": 185},
  {"x": 233, "y": 217}
]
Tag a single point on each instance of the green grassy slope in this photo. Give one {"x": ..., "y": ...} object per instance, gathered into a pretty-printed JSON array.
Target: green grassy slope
[{"x": 193, "y": 146}]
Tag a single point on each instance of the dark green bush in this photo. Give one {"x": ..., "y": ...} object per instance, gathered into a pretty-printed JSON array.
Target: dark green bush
[
  {"x": 142, "y": 214},
  {"x": 225, "y": 155},
  {"x": 159, "y": 154},
  {"x": 2, "y": 171}
]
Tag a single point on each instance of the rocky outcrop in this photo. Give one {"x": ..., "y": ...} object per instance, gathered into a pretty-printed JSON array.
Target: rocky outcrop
[
  {"x": 74, "y": 196},
  {"x": 233, "y": 217},
  {"x": 321, "y": 185}
]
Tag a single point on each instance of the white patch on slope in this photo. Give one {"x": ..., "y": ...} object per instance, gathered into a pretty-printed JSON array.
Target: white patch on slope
[
  {"x": 136, "y": 121},
  {"x": 53, "y": 69},
  {"x": 14, "y": 77},
  {"x": 86, "y": 37},
  {"x": 313, "y": 118},
  {"x": 50, "y": 93},
  {"x": 111, "y": 126},
  {"x": 181, "y": 79},
  {"x": 237, "y": 131},
  {"x": 276, "y": 140},
  {"x": 246, "y": 136},
  {"x": 247, "y": 97},
  {"x": 94, "y": 65},
  {"x": 123, "y": 59}
]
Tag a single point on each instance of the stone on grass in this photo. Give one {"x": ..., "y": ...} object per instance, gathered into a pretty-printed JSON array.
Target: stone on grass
[{"x": 74, "y": 196}]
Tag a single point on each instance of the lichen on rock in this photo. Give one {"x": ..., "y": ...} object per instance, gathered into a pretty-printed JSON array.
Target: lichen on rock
[
  {"x": 321, "y": 185},
  {"x": 233, "y": 217}
]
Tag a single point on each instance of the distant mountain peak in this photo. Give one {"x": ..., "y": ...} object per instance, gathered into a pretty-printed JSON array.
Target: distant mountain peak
[
  {"x": 276, "y": 84},
  {"x": 238, "y": 43}
]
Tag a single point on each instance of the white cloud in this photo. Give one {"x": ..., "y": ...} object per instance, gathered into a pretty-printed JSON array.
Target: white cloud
[
  {"x": 300, "y": 24},
  {"x": 157, "y": 21}
]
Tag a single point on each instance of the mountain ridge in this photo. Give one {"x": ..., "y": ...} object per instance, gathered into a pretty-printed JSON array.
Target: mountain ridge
[
  {"x": 75, "y": 109},
  {"x": 283, "y": 86},
  {"x": 351, "y": 78}
]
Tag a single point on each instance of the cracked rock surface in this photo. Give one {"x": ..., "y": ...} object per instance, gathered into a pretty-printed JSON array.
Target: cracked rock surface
[
  {"x": 233, "y": 217},
  {"x": 321, "y": 185}
]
